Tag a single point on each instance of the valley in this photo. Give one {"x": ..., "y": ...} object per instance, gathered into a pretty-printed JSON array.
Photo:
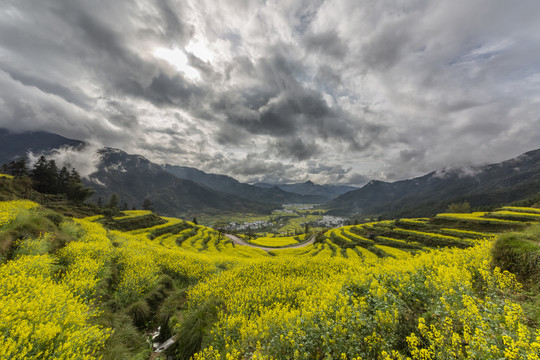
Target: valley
[
  {"x": 211, "y": 268},
  {"x": 269, "y": 180},
  {"x": 290, "y": 219},
  {"x": 204, "y": 293}
]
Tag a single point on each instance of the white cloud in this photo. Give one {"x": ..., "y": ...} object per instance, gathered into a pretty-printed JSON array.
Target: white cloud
[
  {"x": 84, "y": 159},
  {"x": 389, "y": 89}
]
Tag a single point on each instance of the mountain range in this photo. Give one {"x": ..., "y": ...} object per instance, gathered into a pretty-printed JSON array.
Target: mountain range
[
  {"x": 174, "y": 190},
  {"x": 482, "y": 186},
  {"x": 180, "y": 190},
  {"x": 273, "y": 194},
  {"x": 326, "y": 191}
]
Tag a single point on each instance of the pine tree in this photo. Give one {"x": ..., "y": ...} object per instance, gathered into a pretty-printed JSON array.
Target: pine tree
[
  {"x": 44, "y": 175},
  {"x": 113, "y": 202},
  {"x": 75, "y": 190},
  {"x": 52, "y": 176},
  {"x": 20, "y": 167},
  {"x": 62, "y": 180},
  {"x": 148, "y": 205},
  {"x": 16, "y": 168}
]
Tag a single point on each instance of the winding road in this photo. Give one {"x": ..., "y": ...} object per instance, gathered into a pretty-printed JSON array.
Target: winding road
[{"x": 238, "y": 241}]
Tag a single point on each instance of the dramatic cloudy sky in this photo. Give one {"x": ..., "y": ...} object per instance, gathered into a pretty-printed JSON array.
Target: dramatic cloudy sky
[{"x": 327, "y": 90}]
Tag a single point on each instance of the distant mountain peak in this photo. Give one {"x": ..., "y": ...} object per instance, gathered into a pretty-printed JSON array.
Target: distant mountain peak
[
  {"x": 271, "y": 194},
  {"x": 481, "y": 186}
]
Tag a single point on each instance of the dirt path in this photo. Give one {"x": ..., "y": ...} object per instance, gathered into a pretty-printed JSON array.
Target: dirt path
[{"x": 238, "y": 241}]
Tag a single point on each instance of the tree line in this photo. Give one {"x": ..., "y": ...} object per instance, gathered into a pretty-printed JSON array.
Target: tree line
[{"x": 48, "y": 178}]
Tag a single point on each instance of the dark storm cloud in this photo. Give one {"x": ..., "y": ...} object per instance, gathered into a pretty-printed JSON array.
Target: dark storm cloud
[
  {"x": 94, "y": 33},
  {"x": 122, "y": 116},
  {"x": 295, "y": 148},
  {"x": 50, "y": 87},
  {"x": 356, "y": 179},
  {"x": 173, "y": 90},
  {"x": 251, "y": 165},
  {"x": 336, "y": 90},
  {"x": 327, "y": 43},
  {"x": 173, "y": 29},
  {"x": 315, "y": 168},
  {"x": 280, "y": 105},
  {"x": 386, "y": 47},
  {"x": 411, "y": 155}
]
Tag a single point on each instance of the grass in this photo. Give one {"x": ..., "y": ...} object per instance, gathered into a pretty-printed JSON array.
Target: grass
[
  {"x": 126, "y": 342},
  {"x": 194, "y": 328},
  {"x": 519, "y": 253},
  {"x": 30, "y": 226}
]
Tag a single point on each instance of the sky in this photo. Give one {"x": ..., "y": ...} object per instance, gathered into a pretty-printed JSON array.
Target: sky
[{"x": 335, "y": 91}]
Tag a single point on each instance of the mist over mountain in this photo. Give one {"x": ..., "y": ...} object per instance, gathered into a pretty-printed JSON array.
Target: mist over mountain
[
  {"x": 15, "y": 145},
  {"x": 490, "y": 185},
  {"x": 134, "y": 178},
  {"x": 174, "y": 190},
  {"x": 177, "y": 190}
]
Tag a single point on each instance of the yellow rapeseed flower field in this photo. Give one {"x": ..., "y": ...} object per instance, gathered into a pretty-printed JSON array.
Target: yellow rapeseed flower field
[
  {"x": 10, "y": 209},
  {"x": 330, "y": 300}
]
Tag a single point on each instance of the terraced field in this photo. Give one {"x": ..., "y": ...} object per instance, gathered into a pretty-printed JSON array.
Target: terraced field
[
  {"x": 416, "y": 289},
  {"x": 278, "y": 241},
  {"x": 367, "y": 242}
]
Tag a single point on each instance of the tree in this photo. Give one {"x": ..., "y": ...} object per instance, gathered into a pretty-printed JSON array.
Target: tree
[
  {"x": 306, "y": 228},
  {"x": 113, "y": 202},
  {"x": 62, "y": 180},
  {"x": 53, "y": 175},
  {"x": 195, "y": 221},
  {"x": 462, "y": 207},
  {"x": 16, "y": 168},
  {"x": 148, "y": 205},
  {"x": 76, "y": 191},
  {"x": 42, "y": 176}
]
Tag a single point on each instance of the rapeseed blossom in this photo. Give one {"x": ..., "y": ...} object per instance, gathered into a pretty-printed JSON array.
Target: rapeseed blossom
[
  {"x": 9, "y": 210},
  {"x": 42, "y": 319},
  {"x": 323, "y": 301}
]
